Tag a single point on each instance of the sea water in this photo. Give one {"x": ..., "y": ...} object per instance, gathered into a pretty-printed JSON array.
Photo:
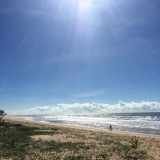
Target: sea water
[{"x": 146, "y": 123}]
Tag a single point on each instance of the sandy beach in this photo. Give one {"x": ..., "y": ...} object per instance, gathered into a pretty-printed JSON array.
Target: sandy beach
[
  {"x": 148, "y": 143},
  {"x": 25, "y": 121}
]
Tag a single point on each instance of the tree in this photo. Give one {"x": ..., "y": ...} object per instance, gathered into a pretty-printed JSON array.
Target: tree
[{"x": 2, "y": 113}]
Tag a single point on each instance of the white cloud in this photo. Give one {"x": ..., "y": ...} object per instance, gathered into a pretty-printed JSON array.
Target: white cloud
[
  {"x": 78, "y": 108},
  {"x": 90, "y": 94}
]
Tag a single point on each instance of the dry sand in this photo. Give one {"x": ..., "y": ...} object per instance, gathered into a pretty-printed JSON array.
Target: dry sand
[{"x": 151, "y": 143}]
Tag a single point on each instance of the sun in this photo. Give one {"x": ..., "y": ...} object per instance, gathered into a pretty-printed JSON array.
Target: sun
[{"x": 84, "y": 4}]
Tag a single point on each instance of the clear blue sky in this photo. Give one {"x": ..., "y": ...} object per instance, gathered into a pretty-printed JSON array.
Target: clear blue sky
[{"x": 78, "y": 51}]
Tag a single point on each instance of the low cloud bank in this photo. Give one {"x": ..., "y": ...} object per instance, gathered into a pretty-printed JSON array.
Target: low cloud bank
[{"x": 85, "y": 108}]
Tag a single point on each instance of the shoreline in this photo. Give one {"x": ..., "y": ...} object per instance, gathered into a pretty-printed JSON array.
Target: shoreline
[{"x": 123, "y": 133}]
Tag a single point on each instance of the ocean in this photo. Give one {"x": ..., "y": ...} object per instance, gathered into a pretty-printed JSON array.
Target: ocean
[{"x": 145, "y": 123}]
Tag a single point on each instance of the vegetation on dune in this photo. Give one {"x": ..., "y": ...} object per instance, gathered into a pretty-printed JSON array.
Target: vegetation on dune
[
  {"x": 2, "y": 113},
  {"x": 19, "y": 142},
  {"x": 134, "y": 143}
]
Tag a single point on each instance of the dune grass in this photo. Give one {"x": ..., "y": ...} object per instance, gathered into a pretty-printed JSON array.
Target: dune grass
[{"x": 39, "y": 142}]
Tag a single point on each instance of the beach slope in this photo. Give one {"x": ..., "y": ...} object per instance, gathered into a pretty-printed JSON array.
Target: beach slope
[{"x": 57, "y": 141}]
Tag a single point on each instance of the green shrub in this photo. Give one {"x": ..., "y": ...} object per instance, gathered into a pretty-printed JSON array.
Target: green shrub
[{"x": 134, "y": 143}]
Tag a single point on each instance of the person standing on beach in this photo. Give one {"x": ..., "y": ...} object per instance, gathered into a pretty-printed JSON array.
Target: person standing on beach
[{"x": 110, "y": 128}]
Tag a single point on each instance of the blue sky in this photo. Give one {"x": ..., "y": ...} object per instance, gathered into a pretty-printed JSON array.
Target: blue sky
[{"x": 78, "y": 51}]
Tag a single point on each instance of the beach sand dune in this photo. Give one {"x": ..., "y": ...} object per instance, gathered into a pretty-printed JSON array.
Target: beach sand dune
[{"x": 99, "y": 143}]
